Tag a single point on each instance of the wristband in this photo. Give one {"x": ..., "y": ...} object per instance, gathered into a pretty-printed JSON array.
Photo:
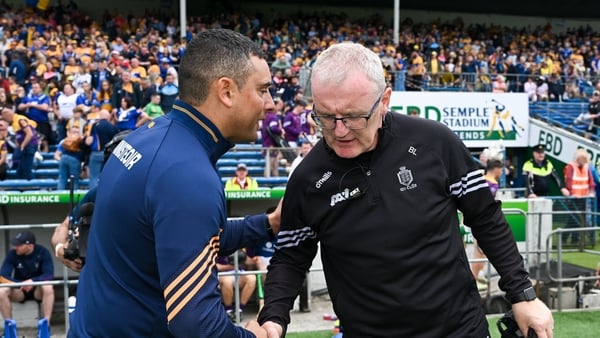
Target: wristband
[{"x": 58, "y": 247}]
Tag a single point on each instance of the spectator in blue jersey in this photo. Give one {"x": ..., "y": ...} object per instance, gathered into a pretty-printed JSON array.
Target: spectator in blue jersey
[
  {"x": 101, "y": 132},
  {"x": 160, "y": 217},
  {"x": 128, "y": 116},
  {"x": 69, "y": 155},
  {"x": 168, "y": 93},
  {"x": 26, "y": 142},
  {"x": 27, "y": 262},
  {"x": 36, "y": 105},
  {"x": 88, "y": 99}
]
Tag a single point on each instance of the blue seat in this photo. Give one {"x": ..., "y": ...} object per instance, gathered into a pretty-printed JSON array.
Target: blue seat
[
  {"x": 35, "y": 184},
  {"x": 37, "y": 173}
]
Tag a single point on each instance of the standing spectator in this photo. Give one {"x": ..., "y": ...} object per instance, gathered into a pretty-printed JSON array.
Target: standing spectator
[
  {"x": 100, "y": 74},
  {"x": 241, "y": 181},
  {"x": 27, "y": 262},
  {"x": 26, "y": 142},
  {"x": 542, "y": 89},
  {"x": 128, "y": 116},
  {"x": 362, "y": 174},
  {"x": 64, "y": 104},
  {"x": 539, "y": 172},
  {"x": 530, "y": 88},
  {"x": 499, "y": 85},
  {"x": 305, "y": 148},
  {"x": 100, "y": 132},
  {"x": 37, "y": 105},
  {"x": 292, "y": 124},
  {"x": 594, "y": 113},
  {"x": 153, "y": 108},
  {"x": 579, "y": 181},
  {"x": 69, "y": 155},
  {"x": 3, "y": 149},
  {"x": 126, "y": 88},
  {"x": 105, "y": 95},
  {"x": 148, "y": 89},
  {"x": 168, "y": 93},
  {"x": 272, "y": 132},
  {"x": 88, "y": 98}
]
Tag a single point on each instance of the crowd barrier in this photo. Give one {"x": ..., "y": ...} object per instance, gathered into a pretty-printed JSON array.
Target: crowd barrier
[{"x": 532, "y": 221}]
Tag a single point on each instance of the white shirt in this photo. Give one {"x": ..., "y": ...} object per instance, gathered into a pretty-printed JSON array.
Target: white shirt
[{"x": 66, "y": 104}]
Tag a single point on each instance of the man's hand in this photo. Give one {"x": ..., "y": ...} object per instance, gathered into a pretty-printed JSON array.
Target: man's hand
[
  {"x": 565, "y": 192},
  {"x": 535, "y": 315},
  {"x": 75, "y": 265},
  {"x": 532, "y": 196},
  {"x": 258, "y": 331},
  {"x": 28, "y": 287},
  {"x": 273, "y": 329}
]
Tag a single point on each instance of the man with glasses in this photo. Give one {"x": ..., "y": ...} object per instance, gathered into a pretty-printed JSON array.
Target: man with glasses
[{"x": 381, "y": 193}]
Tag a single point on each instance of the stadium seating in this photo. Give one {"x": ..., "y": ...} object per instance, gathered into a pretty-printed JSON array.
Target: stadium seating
[{"x": 45, "y": 172}]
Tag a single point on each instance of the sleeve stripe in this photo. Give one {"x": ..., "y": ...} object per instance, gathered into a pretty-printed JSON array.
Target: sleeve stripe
[
  {"x": 472, "y": 181},
  {"x": 208, "y": 258},
  {"x": 290, "y": 238}
]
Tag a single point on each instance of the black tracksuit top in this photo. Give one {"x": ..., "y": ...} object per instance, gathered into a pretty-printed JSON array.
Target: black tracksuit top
[{"x": 391, "y": 248}]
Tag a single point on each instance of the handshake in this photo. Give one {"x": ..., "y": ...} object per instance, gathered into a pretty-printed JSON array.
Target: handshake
[{"x": 509, "y": 329}]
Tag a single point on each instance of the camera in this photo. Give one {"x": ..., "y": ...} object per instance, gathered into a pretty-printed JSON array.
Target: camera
[
  {"x": 508, "y": 327},
  {"x": 78, "y": 234}
]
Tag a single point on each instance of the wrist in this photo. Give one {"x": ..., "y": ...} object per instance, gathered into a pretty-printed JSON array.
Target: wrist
[{"x": 527, "y": 295}]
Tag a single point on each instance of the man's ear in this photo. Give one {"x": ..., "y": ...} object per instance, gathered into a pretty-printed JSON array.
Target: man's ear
[{"x": 226, "y": 91}]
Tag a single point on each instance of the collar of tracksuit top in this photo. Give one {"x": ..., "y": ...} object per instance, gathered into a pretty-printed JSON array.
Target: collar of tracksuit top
[{"x": 201, "y": 127}]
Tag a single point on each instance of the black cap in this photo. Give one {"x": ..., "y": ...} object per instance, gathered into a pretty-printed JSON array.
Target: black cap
[
  {"x": 23, "y": 237},
  {"x": 540, "y": 148}
]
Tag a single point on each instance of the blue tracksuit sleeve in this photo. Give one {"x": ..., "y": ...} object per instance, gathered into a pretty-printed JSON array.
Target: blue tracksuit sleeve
[
  {"x": 8, "y": 266},
  {"x": 187, "y": 245},
  {"x": 241, "y": 233}
]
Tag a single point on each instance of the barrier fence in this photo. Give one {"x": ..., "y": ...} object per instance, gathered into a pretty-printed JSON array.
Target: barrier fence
[{"x": 577, "y": 219}]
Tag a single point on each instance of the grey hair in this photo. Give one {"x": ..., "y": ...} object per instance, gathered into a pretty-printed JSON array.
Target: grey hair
[{"x": 338, "y": 61}]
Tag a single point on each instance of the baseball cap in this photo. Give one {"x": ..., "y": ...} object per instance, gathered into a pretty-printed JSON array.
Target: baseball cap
[
  {"x": 596, "y": 93},
  {"x": 23, "y": 237},
  {"x": 242, "y": 166},
  {"x": 165, "y": 60},
  {"x": 540, "y": 148}
]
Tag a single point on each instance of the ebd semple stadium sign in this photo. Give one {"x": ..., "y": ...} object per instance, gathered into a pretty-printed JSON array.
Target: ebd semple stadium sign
[{"x": 477, "y": 118}]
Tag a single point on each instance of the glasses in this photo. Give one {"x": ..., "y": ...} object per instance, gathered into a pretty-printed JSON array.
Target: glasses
[{"x": 351, "y": 122}]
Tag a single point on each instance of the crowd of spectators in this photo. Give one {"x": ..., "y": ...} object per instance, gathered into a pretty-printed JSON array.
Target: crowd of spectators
[{"x": 127, "y": 65}]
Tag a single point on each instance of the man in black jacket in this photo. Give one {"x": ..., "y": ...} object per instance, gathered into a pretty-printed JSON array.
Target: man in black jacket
[
  {"x": 126, "y": 87},
  {"x": 381, "y": 193}
]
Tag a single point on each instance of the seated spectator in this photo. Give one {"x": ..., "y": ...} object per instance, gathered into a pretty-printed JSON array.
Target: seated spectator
[
  {"x": 27, "y": 262},
  {"x": 241, "y": 181},
  {"x": 69, "y": 155},
  {"x": 247, "y": 283}
]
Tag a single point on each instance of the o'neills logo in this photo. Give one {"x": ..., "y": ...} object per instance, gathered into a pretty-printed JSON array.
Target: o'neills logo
[{"x": 323, "y": 179}]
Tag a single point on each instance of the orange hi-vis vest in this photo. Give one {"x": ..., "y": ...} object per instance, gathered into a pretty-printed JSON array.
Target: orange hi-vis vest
[{"x": 581, "y": 180}]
